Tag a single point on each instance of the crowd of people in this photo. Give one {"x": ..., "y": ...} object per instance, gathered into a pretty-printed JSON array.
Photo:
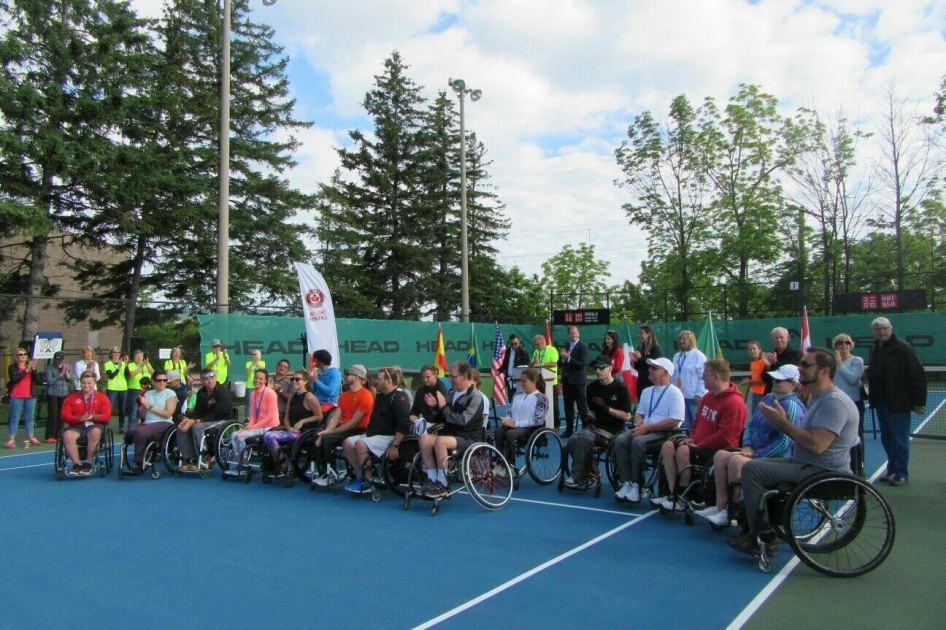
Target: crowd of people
[{"x": 802, "y": 412}]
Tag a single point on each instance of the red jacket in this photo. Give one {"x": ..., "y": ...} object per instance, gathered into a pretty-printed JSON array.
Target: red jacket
[
  {"x": 720, "y": 420},
  {"x": 74, "y": 407}
]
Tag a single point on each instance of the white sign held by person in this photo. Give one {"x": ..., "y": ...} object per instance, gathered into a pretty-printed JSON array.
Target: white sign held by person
[{"x": 318, "y": 312}]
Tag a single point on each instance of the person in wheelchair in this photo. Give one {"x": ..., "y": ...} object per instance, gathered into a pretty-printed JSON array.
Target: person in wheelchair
[
  {"x": 822, "y": 442},
  {"x": 87, "y": 412},
  {"x": 264, "y": 414},
  {"x": 214, "y": 405},
  {"x": 303, "y": 411},
  {"x": 158, "y": 406},
  {"x": 719, "y": 422},
  {"x": 390, "y": 422},
  {"x": 349, "y": 418},
  {"x": 661, "y": 410},
  {"x": 609, "y": 407},
  {"x": 463, "y": 425},
  {"x": 420, "y": 410},
  {"x": 760, "y": 440},
  {"x": 528, "y": 410}
]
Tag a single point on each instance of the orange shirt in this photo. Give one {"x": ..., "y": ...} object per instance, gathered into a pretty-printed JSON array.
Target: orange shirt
[
  {"x": 757, "y": 368},
  {"x": 350, "y": 402}
]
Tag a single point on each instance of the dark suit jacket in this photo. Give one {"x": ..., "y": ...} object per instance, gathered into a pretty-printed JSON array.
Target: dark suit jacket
[
  {"x": 573, "y": 368},
  {"x": 521, "y": 358}
]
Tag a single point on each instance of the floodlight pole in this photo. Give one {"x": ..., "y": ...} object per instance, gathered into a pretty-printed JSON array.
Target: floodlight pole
[
  {"x": 223, "y": 214},
  {"x": 459, "y": 86}
]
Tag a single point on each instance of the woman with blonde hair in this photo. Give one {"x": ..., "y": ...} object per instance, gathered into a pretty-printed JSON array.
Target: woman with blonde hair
[
  {"x": 86, "y": 364},
  {"x": 849, "y": 374},
  {"x": 688, "y": 374}
]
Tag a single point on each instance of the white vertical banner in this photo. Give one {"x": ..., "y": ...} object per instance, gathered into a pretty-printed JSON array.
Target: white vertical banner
[{"x": 318, "y": 312}]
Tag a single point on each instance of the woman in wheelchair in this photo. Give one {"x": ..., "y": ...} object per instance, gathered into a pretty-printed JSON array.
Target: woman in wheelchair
[
  {"x": 87, "y": 412},
  {"x": 529, "y": 407},
  {"x": 302, "y": 412},
  {"x": 759, "y": 441},
  {"x": 158, "y": 406},
  {"x": 264, "y": 414}
]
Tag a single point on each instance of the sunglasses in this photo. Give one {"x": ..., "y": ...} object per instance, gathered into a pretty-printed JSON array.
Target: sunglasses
[
  {"x": 20, "y": 354},
  {"x": 295, "y": 378},
  {"x": 160, "y": 380},
  {"x": 807, "y": 364},
  {"x": 841, "y": 343}
]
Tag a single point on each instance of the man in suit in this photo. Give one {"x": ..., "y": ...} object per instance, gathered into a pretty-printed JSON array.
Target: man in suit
[
  {"x": 573, "y": 358},
  {"x": 515, "y": 356}
]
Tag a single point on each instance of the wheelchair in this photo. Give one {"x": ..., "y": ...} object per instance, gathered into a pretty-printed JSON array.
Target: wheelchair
[
  {"x": 248, "y": 465},
  {"x": 210, "y": 448},
  {"x": 476, "y": 466},
  {"x": 602, "y": 453},
  {"x": 539, "y": 453},
  {"x": 101, "y": 460},
  {"x": 154, "y": 452},
  {"x": 836, "y": 523},
  {"x": 270, "y": 469}
]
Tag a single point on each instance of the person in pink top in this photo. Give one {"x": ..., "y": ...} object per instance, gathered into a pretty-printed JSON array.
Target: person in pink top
[{"x": 264, "y": 413}]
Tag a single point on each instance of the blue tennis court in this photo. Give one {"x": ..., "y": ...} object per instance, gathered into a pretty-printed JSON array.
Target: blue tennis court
[{"x": 186, "y": 552}]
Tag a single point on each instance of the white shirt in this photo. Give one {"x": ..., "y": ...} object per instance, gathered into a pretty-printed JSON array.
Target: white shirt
[
  {"x": 659, "y": 403},
  {"x": 688, "y": 373},
  {"x": 83, "y": 366}
]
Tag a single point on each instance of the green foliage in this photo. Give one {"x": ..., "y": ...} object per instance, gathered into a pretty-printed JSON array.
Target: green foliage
[{"x": 576, "y": 278}]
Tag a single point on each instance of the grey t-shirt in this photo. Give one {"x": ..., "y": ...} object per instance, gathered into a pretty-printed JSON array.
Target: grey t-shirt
[{"x": 833, "y": 411}]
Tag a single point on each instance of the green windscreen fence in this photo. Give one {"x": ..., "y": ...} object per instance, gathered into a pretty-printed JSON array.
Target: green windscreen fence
[{"x": 410, "y": 344}]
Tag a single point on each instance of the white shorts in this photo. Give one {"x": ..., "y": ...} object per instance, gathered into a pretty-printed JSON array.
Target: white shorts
[{"x": 377, "y": 444}]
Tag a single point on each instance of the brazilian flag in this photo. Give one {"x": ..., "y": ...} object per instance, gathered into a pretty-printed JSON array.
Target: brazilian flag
[{"x": 473, "y": 357}]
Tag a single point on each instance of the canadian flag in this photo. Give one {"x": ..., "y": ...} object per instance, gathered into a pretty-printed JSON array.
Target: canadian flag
[{"x": 805, "y": 331}]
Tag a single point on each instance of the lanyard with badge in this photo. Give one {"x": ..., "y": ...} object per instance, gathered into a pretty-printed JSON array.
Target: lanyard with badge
[
  {"x": 655, "y": 405},
  {"x": 679, "y": 366},
  {"x": 88, "y": 407}
]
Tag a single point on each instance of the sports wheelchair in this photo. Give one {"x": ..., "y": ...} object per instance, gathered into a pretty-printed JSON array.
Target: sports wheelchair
[
  {"x": 538, "y": 453},
  {"x": 602, "y": 453},
  {"x": 485, "y": 473},
  {"x": 211, "y": 446},
  {"x": 836, "y": 523},
  {"x": 101, "y": 460},
  {"x": 245, "y": 467},
  {"x": 154, "y": 452}
]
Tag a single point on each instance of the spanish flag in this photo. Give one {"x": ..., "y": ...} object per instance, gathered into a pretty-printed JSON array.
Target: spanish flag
[{"x": 440, "y": 357}]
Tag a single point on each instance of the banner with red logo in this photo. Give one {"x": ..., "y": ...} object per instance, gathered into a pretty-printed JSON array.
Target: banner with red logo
[{"x": 318, "y": 312}]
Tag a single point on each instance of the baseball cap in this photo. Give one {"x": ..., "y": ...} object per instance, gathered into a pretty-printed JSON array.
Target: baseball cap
[
  {"x": 59, "y": 356},
  {"x": 662, "y": 363},
  {"x": 601, "y": 361},
  {"x": 785, "y": 373},
  {"x": 216, "y": 342},
  {"x": 358, "y": 370},
  {"x": 174, "y": 375}
]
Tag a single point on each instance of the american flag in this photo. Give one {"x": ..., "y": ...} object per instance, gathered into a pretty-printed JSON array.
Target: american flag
[{"x": 499, "y": 379}]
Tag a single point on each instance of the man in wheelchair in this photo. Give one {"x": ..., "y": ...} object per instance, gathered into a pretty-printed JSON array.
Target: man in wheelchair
[
  {"x": 823, "y": 442},
  {"x": 660, "y": 411},
  {"x": 609, "y": 407},
  {"x": 214, "y": 405},
  {"x": 718, "y": 423},
  {"x": 87, "y": 412},
  {"x": 461, "y": 411}
]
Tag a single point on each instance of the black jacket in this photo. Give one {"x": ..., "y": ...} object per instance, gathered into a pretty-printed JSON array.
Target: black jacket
[
  {"x": 643, "y": 376},
  {"x": 788, "y": 356},
  {"x": 519, "y": 357},
  {"x": 209, "y": 408},
  {"x": 391, "y": 414},
  {"x": 464, "y": 417},
  {"x": 895, "y": 376},
  {"x": 573, "y": 368}
]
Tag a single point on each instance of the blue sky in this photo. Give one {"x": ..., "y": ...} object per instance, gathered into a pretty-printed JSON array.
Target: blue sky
[{"x": 563, "y": 79}]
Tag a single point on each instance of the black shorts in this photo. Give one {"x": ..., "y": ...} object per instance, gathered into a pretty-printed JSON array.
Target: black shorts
[{"x": 701, "y": 456}]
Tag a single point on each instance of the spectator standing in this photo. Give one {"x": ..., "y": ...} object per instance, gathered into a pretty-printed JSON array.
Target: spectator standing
[
  {"x": 688, "y": 374},
  {"x": 648, "y": 349},
  {"x": 573, "y": 359},
  {"x": 22, "y": 375},
  {"x": 138, "y": 368},
  {"x": 516, "y": 356},
  {"x": 255, "y": 363},
  {"x": 783, "y": 354},
  {"x": 546, "y": 356},
  {"x": 218, "y": 360},
  {"x": 896, "y": 385},
  {"x": 86, "y": 364},
  {"x": 850, "y": 374},
  {"x": 117, "y": 385},
  {"x": 58, "y": 385},
  {"x": 611, "y": 347}
]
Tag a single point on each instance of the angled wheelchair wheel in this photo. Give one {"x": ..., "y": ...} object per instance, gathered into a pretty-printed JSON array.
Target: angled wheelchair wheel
[
  {"x": 107, "y": 448},
  {"x": 222, "y": 450},
  {"x": 172, "y": 452},
  {"x": 839, "y": 525},
  {"x": 611, "y": 466},
  {"x": 59, "y": 463},
  {"x": 397, "y": 473},
  {"x": 487, "y": 476},
  {"x": 544, "y": 456},
  {"x": 302, "y": 457}
]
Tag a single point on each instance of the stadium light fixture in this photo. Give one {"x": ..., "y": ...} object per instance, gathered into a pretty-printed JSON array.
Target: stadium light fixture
[
  {"x": 459, "y": 86},
  {"x": 223, "y": 214}
]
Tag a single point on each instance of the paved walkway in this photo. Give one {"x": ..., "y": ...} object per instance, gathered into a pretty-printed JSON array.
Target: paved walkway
[{"x": 904, "y": 592}]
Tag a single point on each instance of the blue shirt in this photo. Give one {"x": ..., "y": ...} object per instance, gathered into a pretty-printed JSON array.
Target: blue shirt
[{"x": 329, "y": 386}]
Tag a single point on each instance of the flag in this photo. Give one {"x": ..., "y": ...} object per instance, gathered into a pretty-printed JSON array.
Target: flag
[
  {"x": 440, "y": 356},
  {"x": 627, "y": 368},
  {"x": 548, "y": 334},
  {"x": 805, "y": 331},
  {"x": 499, "y": 379},
  {"x": 318, "y": 311},
  {"x": 472, "y": 355},
  {"x": 708, "y": 342}
]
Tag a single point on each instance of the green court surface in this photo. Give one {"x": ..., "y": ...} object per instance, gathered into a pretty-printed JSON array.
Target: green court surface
[{"x": 905, "y": 592}]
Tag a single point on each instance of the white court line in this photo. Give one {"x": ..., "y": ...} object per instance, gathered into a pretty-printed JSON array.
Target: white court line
[
  {"x": 519, "y": 578},
  {"x": 3, "y": 470},
  {"x": 775, "y": 582},
  {"x": 574, "y": 507}
]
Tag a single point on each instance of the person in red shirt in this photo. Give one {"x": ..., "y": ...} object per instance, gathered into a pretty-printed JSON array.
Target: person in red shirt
[
  {"x": 611, "y": 346},
  {"x": 87, "y": 412},
  {"x": 719, "y": 422}
]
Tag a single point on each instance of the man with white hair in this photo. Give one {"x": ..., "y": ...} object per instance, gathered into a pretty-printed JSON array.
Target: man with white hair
[
  {"x": 896, "y": 386},
  {"x": 783, "y": 354}
]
